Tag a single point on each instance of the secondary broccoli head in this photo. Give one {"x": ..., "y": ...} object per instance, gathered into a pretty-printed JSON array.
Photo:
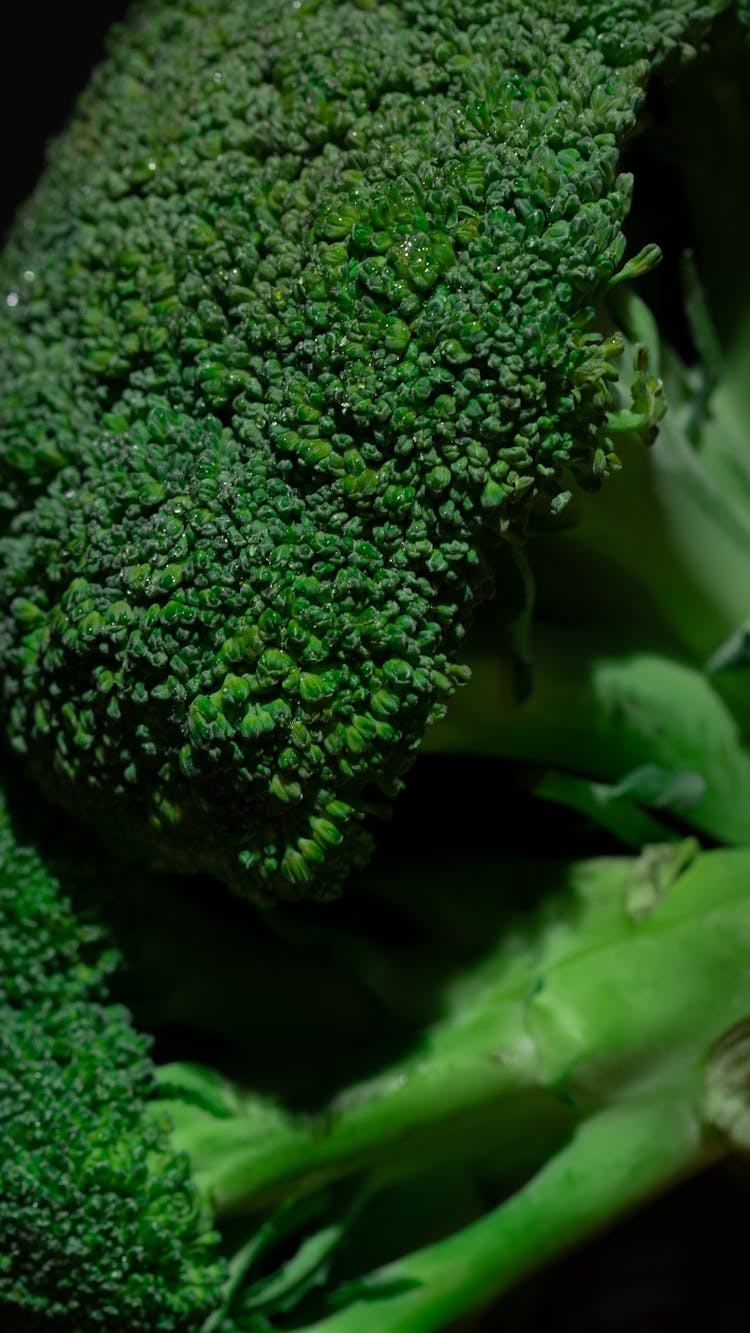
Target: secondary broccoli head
[
  {"x": 299, "y": 317},
  {"x": 100, "y": 1226}
]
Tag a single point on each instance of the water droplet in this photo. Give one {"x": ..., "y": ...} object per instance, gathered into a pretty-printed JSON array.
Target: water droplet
[{"x": 11, "y": 299}]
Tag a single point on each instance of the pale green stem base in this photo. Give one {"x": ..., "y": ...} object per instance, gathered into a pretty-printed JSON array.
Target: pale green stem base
[{"x": 618, "y": 1157}]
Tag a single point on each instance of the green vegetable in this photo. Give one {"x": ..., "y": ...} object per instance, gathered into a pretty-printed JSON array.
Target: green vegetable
[
  {"x": 303, "y": 322},
  {"x": 319, "y": 331},
  {"x": 100, "y": 1224},
  {"x": 564, "y": 1070}
]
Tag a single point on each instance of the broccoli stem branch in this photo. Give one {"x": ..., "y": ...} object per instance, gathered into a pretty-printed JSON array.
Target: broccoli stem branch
[
  {"x": 616, "y": 1158},
  {"x": 586, "y": 1009},
  {"x": 484, "y": 1060},
  {"x": 601, "y": 710}
]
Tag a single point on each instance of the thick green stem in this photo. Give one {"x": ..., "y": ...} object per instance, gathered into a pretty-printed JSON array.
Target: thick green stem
[
  {"x": 617, "y": 1157},
  {"x": 601, "y": 714},
  {"x": 618, "y": 989},
  {"x": 485, "y": 1059}
]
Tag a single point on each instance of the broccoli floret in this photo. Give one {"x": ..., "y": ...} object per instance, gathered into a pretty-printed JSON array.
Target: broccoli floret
[
  {"x": 300, "y": 321},
  {"x": 101, "y": 1227},
  {"x": 637, "y": 650}
]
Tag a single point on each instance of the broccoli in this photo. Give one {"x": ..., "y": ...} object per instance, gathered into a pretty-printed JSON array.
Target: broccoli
[
  {"x": 301, "y": 325},
  {"x": 325, "y": 384},
  {"x": 564, "y": 1078},
  {"x": 100, "y": 1224}
]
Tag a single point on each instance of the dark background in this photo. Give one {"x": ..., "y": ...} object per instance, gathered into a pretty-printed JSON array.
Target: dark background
[
  {"x": 46, "y": 52},
  {"x": 680, "y": 1262}
]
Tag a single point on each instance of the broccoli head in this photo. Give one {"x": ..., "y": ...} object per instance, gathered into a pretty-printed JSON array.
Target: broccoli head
[
  {"x": 300, "y": 322},
  {"x": 100, "y": 1224}
]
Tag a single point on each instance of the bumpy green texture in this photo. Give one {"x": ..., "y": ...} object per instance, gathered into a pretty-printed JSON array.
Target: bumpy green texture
[
  {"x": 100, "y": 1225},
  {"x": 299, "y": 318}
]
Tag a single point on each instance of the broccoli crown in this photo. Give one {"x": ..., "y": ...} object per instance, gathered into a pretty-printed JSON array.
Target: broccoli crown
[
  {"x": 298, "y": 319},
  {"x": 100, "y": 1225}
]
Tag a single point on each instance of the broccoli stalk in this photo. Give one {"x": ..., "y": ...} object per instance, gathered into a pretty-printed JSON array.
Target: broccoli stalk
[
  {"x": 281, "y": 379},
  {"x": 567, "y": 1056},
  {"x": 616, "y": 1157},
  {"x": 627, "y": 736}
]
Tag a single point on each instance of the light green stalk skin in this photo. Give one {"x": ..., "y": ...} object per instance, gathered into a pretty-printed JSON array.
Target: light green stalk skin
[
  {"x": 603, "y": 715},
  {"x": 596, "y": 1023},
  {"x": 617, "y": 1157}
]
